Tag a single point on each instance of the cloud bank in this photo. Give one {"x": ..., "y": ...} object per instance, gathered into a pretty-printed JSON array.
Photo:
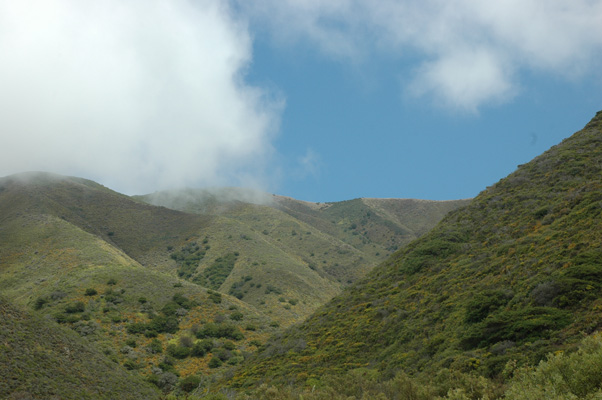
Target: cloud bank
[
  {"x": 464, "y": 53},
  {"x": 140, "y": 95}
]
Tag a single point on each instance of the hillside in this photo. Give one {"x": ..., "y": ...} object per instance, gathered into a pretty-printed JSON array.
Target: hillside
[
  {"x": 53, "y": 362},
  {"x": 168, "y": 296},
  {"x": 513, "y": 276},
  {"x": 168, "y": 331},
  {"x": 298, "y": 254}
]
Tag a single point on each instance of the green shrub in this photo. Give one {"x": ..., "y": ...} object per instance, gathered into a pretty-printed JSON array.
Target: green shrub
[
  {"x": 215, "y": 297},
  {"x": 482, "y": 304},
  {"x": 76, "y": 307},
  {"x": 201, "y": 347},
  {"x": 190, "y": 383},
  {"x": 91, "y": 292},
  {"x": 562, "y": 376},
  {"x": 178, "y": 351},
  {"x": 40, "y": 302},
  {"x": 236, "y": 316},
  {"x": 220, "y": 330},
  {"x": 155, "y": 346},
  {"x": 215, "y": 362}
]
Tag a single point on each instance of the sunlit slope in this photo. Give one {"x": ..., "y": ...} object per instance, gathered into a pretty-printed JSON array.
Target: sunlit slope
[
  {"x": 513, "y": 276},
  {"x": 137, "y": 316},
  {"x": 295, "y": 255}
]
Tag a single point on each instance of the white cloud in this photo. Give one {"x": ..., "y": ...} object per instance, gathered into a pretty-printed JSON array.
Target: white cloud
[
  {"x": 140, "y": 95},
  {"x": 466, "y": 53}
]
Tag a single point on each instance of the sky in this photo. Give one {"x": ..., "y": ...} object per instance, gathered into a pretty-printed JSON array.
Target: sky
[{"x": 320, "y": 100}]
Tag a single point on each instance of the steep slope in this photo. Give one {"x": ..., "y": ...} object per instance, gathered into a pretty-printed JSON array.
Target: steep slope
[
  {"x": 513, "y": 276},
  {"x": 42, "y": 360}
]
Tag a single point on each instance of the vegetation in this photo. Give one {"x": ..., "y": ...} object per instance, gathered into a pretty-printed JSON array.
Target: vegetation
[
  {"x": 494, "y": 302},
  {"x": 510, "y": 278}
]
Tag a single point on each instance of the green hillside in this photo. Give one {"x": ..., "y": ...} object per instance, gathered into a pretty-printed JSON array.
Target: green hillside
[
  {"x": 515, "y": 275},
  {"x": 43, "y": 360},
  {"x": 168, "y": 296},
  {"x": 287, "y": 257},
  {"x": 169, "y": 332}
]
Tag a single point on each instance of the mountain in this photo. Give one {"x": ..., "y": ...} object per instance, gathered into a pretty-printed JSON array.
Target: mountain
[
  {"x": 513, "y": 276},
  {"x": 298, "y": 254},
  {"x": 80, "y": 256},
  {"x": 165, "y": 295}
]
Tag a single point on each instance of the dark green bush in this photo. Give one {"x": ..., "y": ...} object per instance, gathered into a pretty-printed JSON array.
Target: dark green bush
[
  {"x": 236, "y": 316},
  {"x": 40, "y": 302},
  {"x": 220, "y": 330},
  {"x": 215, "y": 362},
  {"x": 190, "y": 383},
  {"x": 155, "y": 346},
  {"x": 76, "y": 307},
  {"x": 178, "y": 351}
]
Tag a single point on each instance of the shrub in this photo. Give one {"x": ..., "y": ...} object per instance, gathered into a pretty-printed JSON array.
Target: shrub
[
  {"x": 91, "y": 292},
  {"x": 182, "y": 301},
  {"x": 76, "y": 307},
  {"x": 220, "y": 330},
  {"x": 178, "y": 351},
  {"x": 236, "y": 316},
  {"x": 186, "y": 341},
  {"x": 215, "y": 362},
  {"x": 167, "y": 381},
  {"x": 155, "y": 347},
  {"x": 482, "y": 304},
  {"x": 190, "y": 383},
  {"x": 215, "y": 297},
  {"x": 561, "y": 376},
  {"x": 202, "y": 347},
  {"x": 131, "y": 365},
  {"x": 40, "y": 302},
  {"x": 164, "y": 324}
]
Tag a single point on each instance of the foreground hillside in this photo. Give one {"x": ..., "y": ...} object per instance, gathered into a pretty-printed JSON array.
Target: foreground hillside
[
  {"x": 515, "y": 275},
  {"x": 75, "y": 273},
  {"x": 43, "y": 360}
]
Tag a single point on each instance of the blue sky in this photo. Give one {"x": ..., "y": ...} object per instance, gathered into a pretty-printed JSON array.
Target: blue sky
[
  {"x": 365, "y": 140},
  {"x": 317, "y": 100}
]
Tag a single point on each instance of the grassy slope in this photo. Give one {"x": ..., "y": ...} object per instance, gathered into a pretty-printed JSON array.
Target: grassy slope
[
  {"x": 308, "y": 251},
  {"x": 514, "y": 275},
  {"x": 42, "y": 360},
  {"x": 140, "y": 230},
  {"x": 47, "y": 262}
]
